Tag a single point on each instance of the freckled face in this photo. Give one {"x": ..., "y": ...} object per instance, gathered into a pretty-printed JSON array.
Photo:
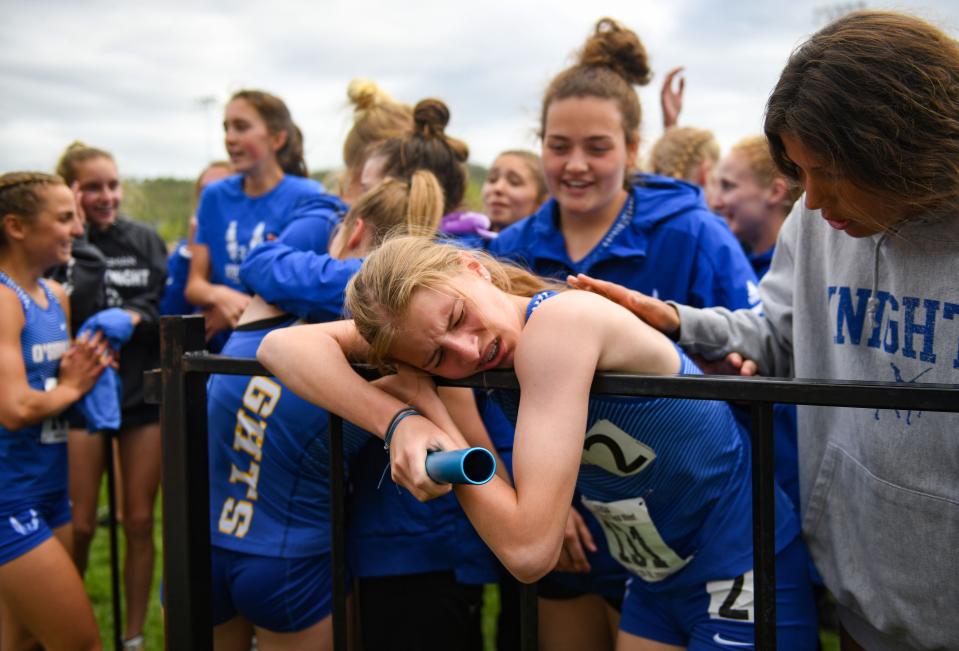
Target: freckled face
[
  {"x": 510, "y": 191},
  {"x": 460, "y": 329},
  {"x": 585, "y": 156},
  {"x": 846, "y": 206}
]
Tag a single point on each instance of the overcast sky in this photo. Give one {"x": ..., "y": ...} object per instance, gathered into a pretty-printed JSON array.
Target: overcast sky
[{"x": 148, "y": 81}]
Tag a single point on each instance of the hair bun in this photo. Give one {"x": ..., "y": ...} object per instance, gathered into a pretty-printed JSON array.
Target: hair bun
[
  {"x": 618, "y": 48},
  {"x": 430, "y": 117},
  {"x": 364, "y": 94}
]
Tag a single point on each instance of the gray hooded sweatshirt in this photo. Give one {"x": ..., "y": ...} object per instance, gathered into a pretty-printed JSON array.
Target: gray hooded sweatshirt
[{"x": 879, "y": 487}]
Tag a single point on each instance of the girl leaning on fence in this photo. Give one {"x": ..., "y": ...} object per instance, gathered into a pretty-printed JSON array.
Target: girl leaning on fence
[{"x": 453, "y": 313}]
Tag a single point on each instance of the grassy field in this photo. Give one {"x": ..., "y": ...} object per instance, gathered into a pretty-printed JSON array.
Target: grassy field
[{"x": 98, "y": 586}]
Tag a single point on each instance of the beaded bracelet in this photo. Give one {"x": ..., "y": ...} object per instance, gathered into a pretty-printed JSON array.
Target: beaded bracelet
[{"x": 395, "y": 422}]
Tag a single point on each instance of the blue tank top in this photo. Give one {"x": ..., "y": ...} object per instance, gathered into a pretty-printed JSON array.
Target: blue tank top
[
  {"x": 669, "y": 480},
  {"x": 33, "y": 460},
  {"x": 269, "y": 460}
]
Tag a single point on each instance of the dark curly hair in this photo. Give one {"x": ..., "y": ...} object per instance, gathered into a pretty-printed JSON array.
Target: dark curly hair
[{"x": 875, "y": 95}]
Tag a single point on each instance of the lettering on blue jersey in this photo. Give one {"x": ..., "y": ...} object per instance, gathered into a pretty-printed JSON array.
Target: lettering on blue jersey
[
  {"x": 248, "y": 434},
  {"x": 32, "y": 524},
  {"x": 49, "y": 352},
  {"x": 235, "y": 517},
  {"x": 259, "y": 400},
  {"x": 905, "y": 325},
  {"x": 261, "y": 396},
  {"x": 232, "y": 246},
  {"x": 237, "y": 251},
  {"x": 251, "y": 478},
  {"x": 615, "y": 451}
]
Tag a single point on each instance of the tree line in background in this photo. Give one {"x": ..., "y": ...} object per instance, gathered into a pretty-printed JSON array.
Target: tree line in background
[{"x": 167, "y": 203}]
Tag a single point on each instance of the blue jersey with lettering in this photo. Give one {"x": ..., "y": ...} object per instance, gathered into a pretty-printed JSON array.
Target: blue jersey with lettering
[
  {"x": 231, "y": 224},
  {"x": 33, "y": 459},
  {"x": 269, "y": 460},
  {"x": 670, "y": 482}
]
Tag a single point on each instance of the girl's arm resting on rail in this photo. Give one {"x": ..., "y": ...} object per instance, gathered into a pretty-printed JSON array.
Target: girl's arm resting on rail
[
  {"x": 314, "y": 362},
  {"x": 22, "y": 405},
  {"x": 461, "y": 405},
  {"x": 525, "y": 527}
]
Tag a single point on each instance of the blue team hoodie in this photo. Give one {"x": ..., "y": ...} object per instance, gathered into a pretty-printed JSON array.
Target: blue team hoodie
[{"x": 696, "y": 255}]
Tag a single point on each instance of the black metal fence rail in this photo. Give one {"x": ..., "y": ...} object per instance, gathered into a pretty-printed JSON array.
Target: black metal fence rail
[{"x": 186, "y": 528}]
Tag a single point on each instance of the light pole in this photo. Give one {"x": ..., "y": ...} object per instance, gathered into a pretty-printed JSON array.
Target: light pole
[{"x": 207, "y": 103}]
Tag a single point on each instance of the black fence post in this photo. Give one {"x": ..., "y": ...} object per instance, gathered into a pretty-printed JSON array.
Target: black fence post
[
  {"x": 764, "y": 526},
  {"x": 528, "y": 617},
  {"x": 338, "y": 533},
  {"x": 186, "y": 490},
  {"x": 114, "y": 547}
]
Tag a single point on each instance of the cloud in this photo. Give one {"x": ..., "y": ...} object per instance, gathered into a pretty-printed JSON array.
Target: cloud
[{"x": 130, "y": 77}]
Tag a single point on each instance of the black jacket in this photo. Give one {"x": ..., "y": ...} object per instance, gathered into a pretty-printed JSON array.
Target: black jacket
[
  {"x": 82, "y": 278},
  {"x": 135, "y": 277}
]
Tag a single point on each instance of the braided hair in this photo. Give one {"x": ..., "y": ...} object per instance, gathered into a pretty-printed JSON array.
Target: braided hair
[{"x": 20, "y": 194}]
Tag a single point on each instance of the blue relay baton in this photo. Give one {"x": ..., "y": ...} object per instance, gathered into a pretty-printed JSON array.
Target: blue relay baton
[{"x": 471, "y": 466}]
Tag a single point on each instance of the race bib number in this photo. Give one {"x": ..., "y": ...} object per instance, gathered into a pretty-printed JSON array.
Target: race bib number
[
  {"x": 733, "y": 599},
  {"x": 53, "y": 430},
  {"x": 634, "y": 540}
]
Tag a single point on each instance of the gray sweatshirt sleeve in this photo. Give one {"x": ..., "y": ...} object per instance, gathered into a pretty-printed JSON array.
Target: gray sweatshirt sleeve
[{"x": 763, "y": 334}]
